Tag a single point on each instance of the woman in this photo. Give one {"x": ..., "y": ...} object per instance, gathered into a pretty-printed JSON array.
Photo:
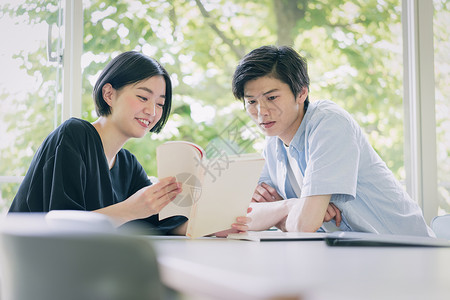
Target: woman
[{"x": 82, "y": 166}]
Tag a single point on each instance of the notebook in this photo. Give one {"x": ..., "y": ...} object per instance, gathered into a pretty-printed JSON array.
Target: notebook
[
  {"x": 343, "y": 238},
  {"x": 272, "y": 236},
  {"x": 384, "y": 240}
]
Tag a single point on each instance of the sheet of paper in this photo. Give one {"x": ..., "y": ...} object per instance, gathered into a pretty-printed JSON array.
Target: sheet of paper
[
  {"x": 180, "y": 159},
  {"x": 225, "y": 195}
]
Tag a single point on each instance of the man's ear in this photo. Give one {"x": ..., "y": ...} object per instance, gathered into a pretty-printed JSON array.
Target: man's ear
[
  {"x": 107, "y": 93},
  {"x": 301, "y": 97}
]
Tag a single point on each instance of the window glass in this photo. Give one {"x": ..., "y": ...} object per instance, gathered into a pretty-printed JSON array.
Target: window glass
[
  {"x": 353, "y": 48},
  {"x": 441, "y": 28},
  {"x": 28, "y": 88}
]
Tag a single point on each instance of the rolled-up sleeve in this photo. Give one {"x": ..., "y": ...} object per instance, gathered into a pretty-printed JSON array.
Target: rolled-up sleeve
[{"x": 332, "y": 155}]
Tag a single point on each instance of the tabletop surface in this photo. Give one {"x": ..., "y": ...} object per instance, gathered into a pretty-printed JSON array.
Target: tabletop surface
[{"x": 232, "y": 269}]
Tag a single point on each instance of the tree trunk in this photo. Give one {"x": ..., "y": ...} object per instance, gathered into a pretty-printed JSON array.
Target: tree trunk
[{"x": 288, "y": 12}]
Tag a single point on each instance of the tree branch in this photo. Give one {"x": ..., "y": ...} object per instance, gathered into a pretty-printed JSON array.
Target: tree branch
[
  {"x": 238, "y": 51},
  {"x": 173, "y": 17}
]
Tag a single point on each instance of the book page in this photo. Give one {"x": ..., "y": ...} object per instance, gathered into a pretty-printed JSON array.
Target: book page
[
  {"x": 182, "y": 160},
  {"x": 226, "y": 193}
]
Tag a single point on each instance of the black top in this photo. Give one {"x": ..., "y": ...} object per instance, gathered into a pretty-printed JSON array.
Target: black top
[{"x": 70, "y": 172}]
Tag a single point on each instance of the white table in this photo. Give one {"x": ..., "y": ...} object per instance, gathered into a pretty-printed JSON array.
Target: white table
[{"x": 308, "y": 270}]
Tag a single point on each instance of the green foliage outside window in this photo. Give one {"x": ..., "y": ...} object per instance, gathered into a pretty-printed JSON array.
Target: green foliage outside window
[{"x": 353, "y": 48}]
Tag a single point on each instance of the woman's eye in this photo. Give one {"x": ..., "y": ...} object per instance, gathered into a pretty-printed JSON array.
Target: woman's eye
[
  {"x": 250, "y": 102},
  {"x": 142, "y": 98},
  {"x": 160, "y": 105}
]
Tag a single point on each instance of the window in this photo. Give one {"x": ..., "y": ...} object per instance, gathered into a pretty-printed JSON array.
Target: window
[
  {"x": 29, "y": 88},
  {"x": 441, "y": 22},
  {"x": 354, "y": 52}
]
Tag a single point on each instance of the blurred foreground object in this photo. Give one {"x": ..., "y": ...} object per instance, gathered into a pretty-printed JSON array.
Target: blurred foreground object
[
  {"x": 74, "y": 255},
  {"x": 441, "y": 226}
]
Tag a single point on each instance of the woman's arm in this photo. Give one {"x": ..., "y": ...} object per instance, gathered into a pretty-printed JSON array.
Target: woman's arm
[
  {"x": 145, "y": 202},
  {"x": 180, "y": 230}
]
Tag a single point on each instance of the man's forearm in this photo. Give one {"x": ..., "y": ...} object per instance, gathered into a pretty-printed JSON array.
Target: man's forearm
[
  {"x": 308, "y": 215},
  {"x": 267, "y": 214}
]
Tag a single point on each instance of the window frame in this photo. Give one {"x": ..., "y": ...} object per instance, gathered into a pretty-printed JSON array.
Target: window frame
[
  {"x": 72, "y": 52},
  {"x": 72, "y": 49},
  {"x": 419, "y": 105}
]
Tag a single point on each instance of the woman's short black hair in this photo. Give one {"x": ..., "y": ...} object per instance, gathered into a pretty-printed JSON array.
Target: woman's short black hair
[
  {"x": 129, "y": 68},
  {"x": 282, "y": 63}
]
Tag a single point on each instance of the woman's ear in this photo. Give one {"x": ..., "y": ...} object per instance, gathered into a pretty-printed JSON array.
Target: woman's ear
[
  {"x": 107, "y": 93},
  {"x": 301, "y": 97}
]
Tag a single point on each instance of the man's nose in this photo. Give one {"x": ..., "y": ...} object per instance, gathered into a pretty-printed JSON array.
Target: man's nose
[{"x": 263, "y": 108}]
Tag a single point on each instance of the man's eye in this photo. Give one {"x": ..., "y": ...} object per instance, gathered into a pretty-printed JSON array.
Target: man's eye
[
  {"x": 251, "y": 102},
  {"x": 271, "y": 98}
]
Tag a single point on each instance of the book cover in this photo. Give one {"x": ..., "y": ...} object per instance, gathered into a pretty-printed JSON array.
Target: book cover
[{"x": 215, "y": 190}]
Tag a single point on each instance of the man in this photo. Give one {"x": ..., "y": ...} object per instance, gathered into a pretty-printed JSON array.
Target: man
[{"x": 317, "y": 156}]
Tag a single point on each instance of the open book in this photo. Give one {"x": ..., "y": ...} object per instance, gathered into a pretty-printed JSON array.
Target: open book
[{"x": 215, "y": 190}]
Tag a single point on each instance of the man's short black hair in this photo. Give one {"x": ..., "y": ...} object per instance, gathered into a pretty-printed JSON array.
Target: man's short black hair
[{"x": 282, "y": 63}]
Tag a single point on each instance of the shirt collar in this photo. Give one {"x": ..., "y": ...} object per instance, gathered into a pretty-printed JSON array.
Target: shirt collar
[{"x": 300, "y": 132}]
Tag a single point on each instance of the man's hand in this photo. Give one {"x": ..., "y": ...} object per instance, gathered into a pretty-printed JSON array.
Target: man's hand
[
  {"x": 241, "y": 225},
  {"x": 265, "y": 193},
  {"x": 267, "y": 214},
  {"x": 333, "y": 213}
]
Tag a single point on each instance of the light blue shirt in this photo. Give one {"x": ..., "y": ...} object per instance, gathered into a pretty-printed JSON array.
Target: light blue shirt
[{"x": 336, "y": 158}]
